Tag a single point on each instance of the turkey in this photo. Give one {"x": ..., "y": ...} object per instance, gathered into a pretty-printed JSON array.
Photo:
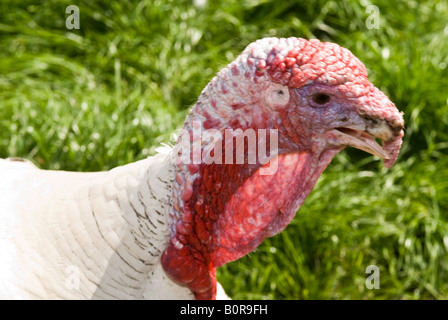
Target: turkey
[{"x": 158, "y": 228}]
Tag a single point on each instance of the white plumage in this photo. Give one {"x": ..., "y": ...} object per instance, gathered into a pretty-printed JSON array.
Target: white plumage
[{"x": 76, "y": 235}]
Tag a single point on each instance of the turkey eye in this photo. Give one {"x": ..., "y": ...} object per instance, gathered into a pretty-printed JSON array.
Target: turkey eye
[{"x": 321, "y": 98}]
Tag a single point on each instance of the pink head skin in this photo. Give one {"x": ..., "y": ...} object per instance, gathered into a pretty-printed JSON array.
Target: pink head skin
[{"x": 318, "y": 97}]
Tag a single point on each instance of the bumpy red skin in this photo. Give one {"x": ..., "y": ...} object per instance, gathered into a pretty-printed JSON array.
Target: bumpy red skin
[{"x": 221, "y": 212}]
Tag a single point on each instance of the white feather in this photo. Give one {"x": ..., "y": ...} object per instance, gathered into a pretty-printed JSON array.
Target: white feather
[{"x": 70, "y": 235}]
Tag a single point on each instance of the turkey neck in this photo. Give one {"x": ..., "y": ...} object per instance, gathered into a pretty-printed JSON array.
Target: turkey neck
[{"x": 135, "y": 226}]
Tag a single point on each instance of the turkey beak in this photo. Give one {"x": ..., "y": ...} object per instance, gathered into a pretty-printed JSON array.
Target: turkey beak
[
  {"x": 364, "y": 139},
  {"x": 363, "y": 136}
]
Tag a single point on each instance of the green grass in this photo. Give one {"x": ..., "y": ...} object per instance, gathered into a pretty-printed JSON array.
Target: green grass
[{"x": 109, "y": 93}]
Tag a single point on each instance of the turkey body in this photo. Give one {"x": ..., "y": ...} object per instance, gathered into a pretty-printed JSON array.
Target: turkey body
[
  {"x": 74, "y": 235},
  {"x": 158, "y": 228}
]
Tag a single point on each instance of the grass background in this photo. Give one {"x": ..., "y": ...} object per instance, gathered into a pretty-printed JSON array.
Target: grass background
[{"x": 109, "y": 93}]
